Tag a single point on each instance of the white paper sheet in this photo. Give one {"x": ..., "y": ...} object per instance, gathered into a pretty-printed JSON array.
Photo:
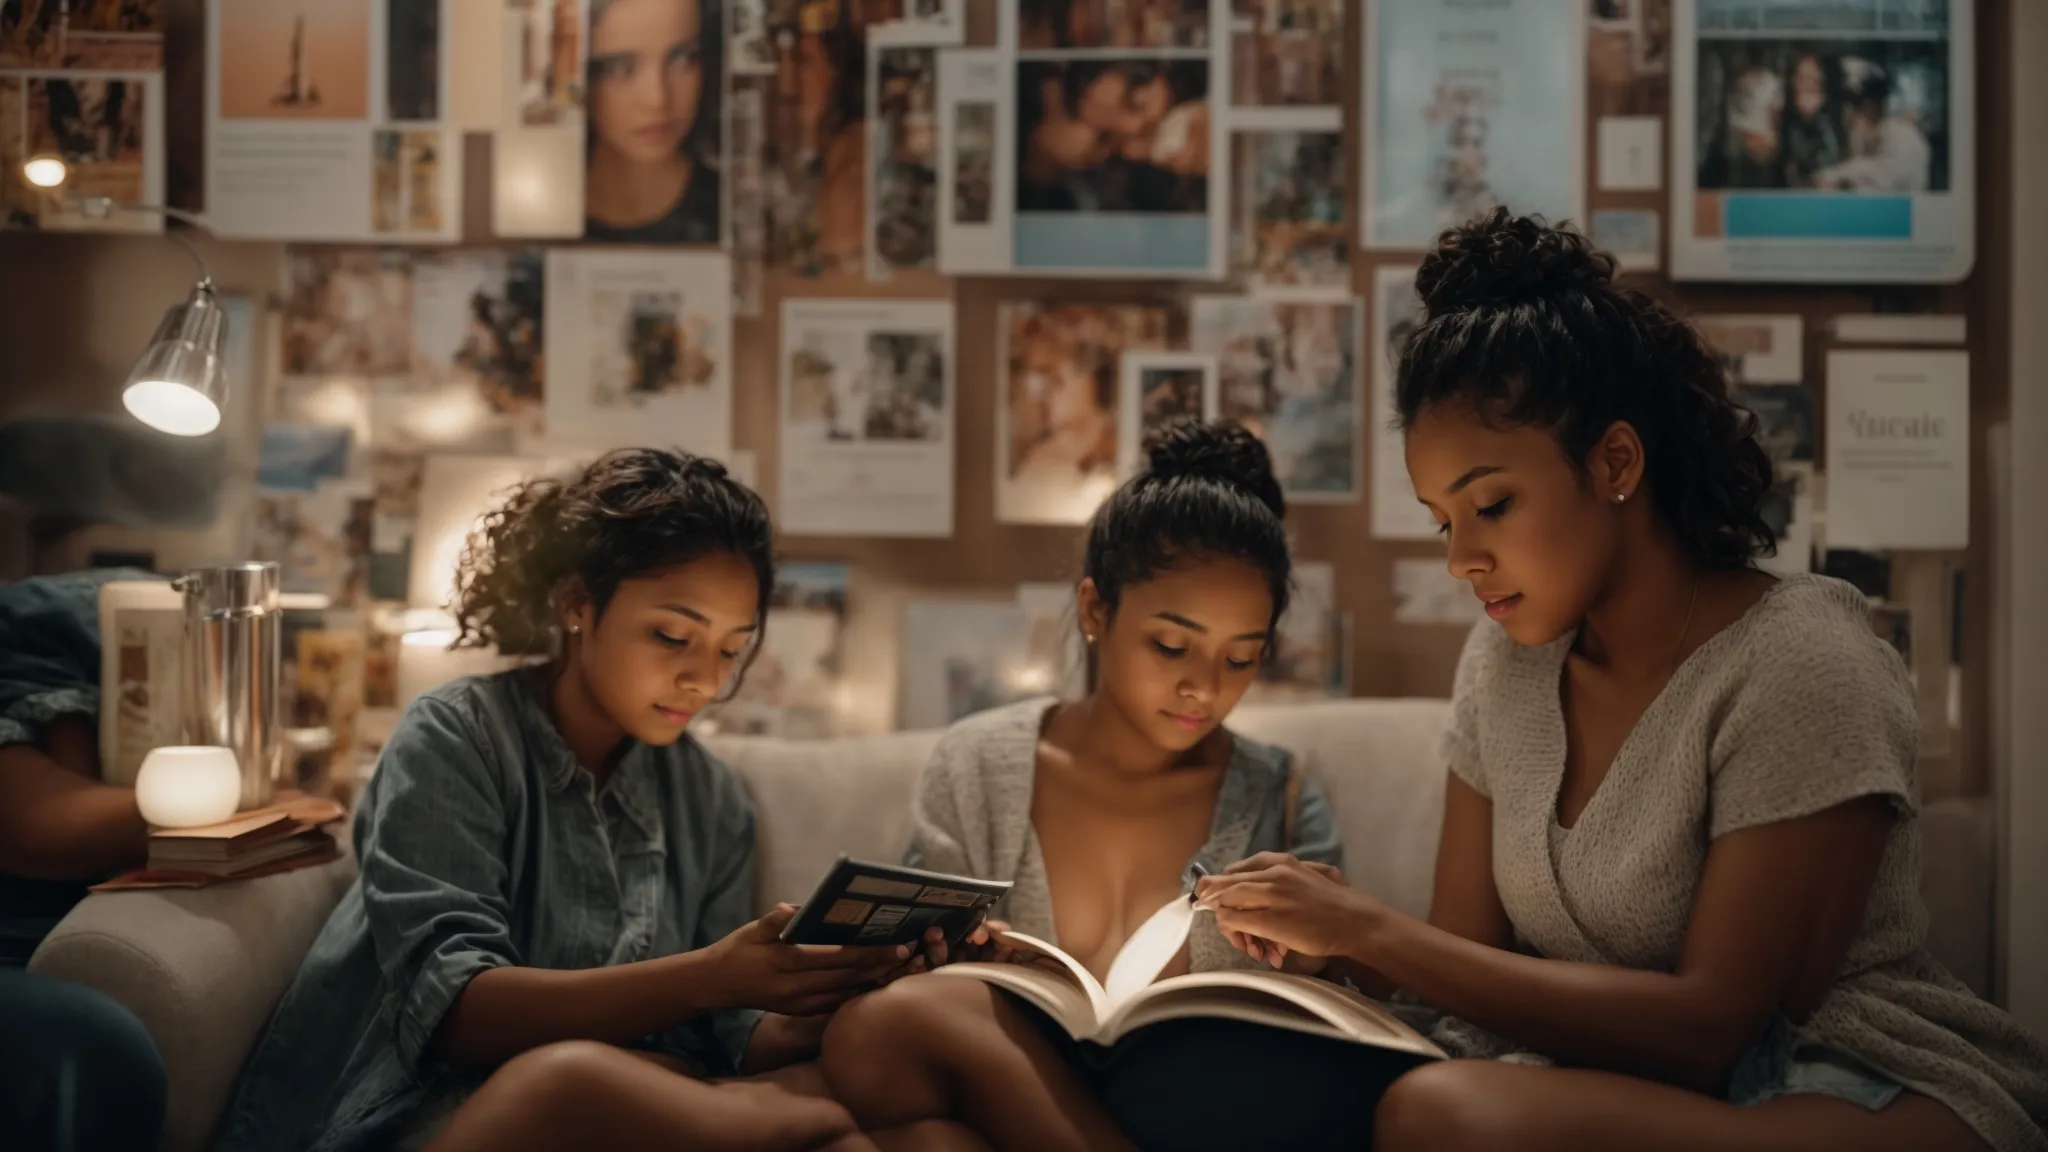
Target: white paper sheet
[
  {"x": 1898, "y": 450},
  {"x": 1632, "y": 236},
  {"x": 977, "y": 184},
  {"x": 867, "y": 418},
  {"x": 1786, "y": 176},
  {"x": 1771, "y": 348},
  {"x": 1396, "y": 514},
  {"x": 328, "y": 121},
  {"x": 639, "y": 350},
  {"x": 1631, "y": 153}
]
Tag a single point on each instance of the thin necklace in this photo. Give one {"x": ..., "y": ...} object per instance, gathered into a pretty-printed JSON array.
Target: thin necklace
[{"x": 1686, "y": 628}]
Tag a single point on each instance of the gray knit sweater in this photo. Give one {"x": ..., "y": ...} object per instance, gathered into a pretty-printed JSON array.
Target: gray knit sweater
[
  {"x": 973, "y": 818},
  {"x": 1792, "y": 709}
]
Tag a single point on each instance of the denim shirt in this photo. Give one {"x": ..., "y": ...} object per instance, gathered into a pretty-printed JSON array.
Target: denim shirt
[{"x": 483, "y": 844}]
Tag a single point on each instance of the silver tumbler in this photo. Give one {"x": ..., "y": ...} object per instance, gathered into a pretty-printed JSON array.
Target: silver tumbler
[{"x": 233, "y": 651}]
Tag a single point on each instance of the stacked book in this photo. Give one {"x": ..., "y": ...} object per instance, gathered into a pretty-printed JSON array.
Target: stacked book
[{"x": 287, "y": 835}]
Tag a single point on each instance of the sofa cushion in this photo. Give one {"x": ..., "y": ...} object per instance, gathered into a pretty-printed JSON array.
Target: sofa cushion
[{"x": 1378, "y": 760}]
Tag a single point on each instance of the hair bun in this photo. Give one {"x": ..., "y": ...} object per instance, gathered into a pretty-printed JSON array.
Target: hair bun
[
  {"x": 1501, "y": 258},
  {"x": 1220, "y": 450}
]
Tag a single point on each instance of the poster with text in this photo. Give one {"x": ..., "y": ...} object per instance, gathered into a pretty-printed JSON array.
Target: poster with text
[
  {"x": 1287, "y": 370},
  {"x": 639, "y": 350},
  {"x": 325, "y": 122},
  {"x": 1823, "y": 141},
  {"x": 1470, "y": 107},
  {"x": 867, "y": 418},
  {"x": 1898, "y": 455},
  {"x": 1056, "y": 413},
  {"x": 1120, "y": 116}
]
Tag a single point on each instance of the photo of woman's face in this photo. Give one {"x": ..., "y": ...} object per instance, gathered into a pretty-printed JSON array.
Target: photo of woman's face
[
  {"x": 645, "y": 77},
  {"x": 1809, "y": 86}
]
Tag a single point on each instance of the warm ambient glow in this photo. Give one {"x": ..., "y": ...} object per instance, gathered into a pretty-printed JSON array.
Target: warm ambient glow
[
  {"x": 170, "y": 407},
  {"x": 44, "y": 171},
  {"x": 188, "y": 787}
]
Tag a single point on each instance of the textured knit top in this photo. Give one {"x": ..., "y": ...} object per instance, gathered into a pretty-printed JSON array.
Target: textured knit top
[
  {"x": 1792, "y": 709},
  {"x": 973, "y": 818}
]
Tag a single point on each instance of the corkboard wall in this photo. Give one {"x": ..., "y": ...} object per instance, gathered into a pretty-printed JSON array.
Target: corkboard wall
[{"x": 74, "y": 310}]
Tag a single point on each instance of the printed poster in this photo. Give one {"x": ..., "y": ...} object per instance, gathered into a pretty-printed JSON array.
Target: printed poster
[
  {"x": 1628, "y": 57},
  {"x": 1056, "y": 417},
  {"x": 1824, "y": 141},
  {"x": 903, "y": 157},
  {"x": 1469, "y": 107},
  {"x": 1311, "y": 652},
  {"x": 963, "y": 657},
  {"x": 1292, "y": 230},
  {"x": 537, "y": 144},
  {"x": 325, "y": 121},
  {"x": 83, "y": 83},
  {"x": 1288, "y": 371},
  {"x": 814, "y": 156},
  {"x": 639, "y": 350},
  {"x": 1157, "y": 389},
  {"x": 792, "y": 688},
  {"x": 1286, "y": 59},
  {"x": 1396, "y": 513},
  {"x": 1122, "y": 138},
  {"x": 654, "y": 146},
  {"x": 1898, "y": 457},
  {"x": 977, "y": 188},
  {"x": 867, "y": 411}
]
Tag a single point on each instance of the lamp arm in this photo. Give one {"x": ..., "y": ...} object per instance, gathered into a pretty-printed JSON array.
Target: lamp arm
[{"x": 100, "y": 207}]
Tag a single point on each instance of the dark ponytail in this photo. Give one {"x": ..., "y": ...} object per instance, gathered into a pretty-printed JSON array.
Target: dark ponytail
[
  {"x": 1524, "y": 323},
  {"x": 1207, "y": 492}
]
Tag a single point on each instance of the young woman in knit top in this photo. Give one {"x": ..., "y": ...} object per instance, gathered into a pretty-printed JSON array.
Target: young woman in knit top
[
  {"x": 1678, "y": 884},
  {"x": 1095, "y": 809}
]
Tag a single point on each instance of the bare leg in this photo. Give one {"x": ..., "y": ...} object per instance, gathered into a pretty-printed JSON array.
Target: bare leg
[
  {"x": 582, "y": 1093},
  {"x": 936, "y": 1047},
  {"x": 1481, "y": 1104},
  {"x": 929, "y": 1136}
]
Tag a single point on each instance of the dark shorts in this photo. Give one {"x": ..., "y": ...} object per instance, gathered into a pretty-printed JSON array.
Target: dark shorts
[{"x": 1193, "y": 1085}]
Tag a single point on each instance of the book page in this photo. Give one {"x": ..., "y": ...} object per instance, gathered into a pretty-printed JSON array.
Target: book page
[
  {"x": 1278, "y": 999},
  {"x": 1048, "y": 979},
  {"x": 1036, "y": 953},
  {"x": 1149, "y": 950}
]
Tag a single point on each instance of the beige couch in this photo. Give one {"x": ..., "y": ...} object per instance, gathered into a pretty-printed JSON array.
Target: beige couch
[{"x": 203, "y": 969}]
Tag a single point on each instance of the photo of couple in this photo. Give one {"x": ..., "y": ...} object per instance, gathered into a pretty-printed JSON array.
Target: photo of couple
[{"x": 1128, "y": 135}]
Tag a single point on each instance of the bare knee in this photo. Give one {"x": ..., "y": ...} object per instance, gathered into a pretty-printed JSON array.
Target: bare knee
[
  {"x": 1442, "y": 1105},
  {"x": 547, "y": 1083},
  {"x": 884, "y": 1050}
]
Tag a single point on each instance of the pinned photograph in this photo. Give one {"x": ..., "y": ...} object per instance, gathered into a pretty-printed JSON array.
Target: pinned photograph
[
  {"x": 320, "y": 540},
  {"x": 1468, "y": 109},
  {"x": 297, "y": 457},
  {"x": 1093, "y": 24},
  {"x": 962, "y": 657},
  {"x": 747, "y": 209},
  {"x": 100, "y": 126},
  {"x": 1292, "y": 193},
  {"x": 477, "y": 322},
  {"x": 1156, "y": 389},
  {"x": 792, "y": 689},
  {"x": 1056, "y": 423},
  {"x": 1310, "y": 653},
  {"x": 325, "y": 689},
  {"x": 111, "y": 35},
  {"x": 412, "y": 60},
  {"x": 1784, "y": 414},
  {"x": 1287, "y": 54},
  {"x": 867, "y": 418},
  {"x": 974, "y": 162},
  {"x": 1788, "y": 510},
  {"x": 751, "y": 43},
  {"x": 1425, "y": 592},
  {"x": 903, "y": 186},
  {"x": 1114, "y": 165},
  {"x": 1628, "y": 57},
  {"x": 547, "y": 74},
  {"x": 1287, "y": 371},
  {"x": 1632, "y": 236},
  {"x": 347, "y": 313},
  {"x": 1827, "y": 142},
  {"x": 406, "y": 190},
  {"x": 815, "y": 164},
  {"x": 648, "y": 347},
  {"x": 655, "y": 154},
  {"x": 1759, "y": 349},
  {"x": 293, "y": 59},
  {"x": 938, "y": 22}
]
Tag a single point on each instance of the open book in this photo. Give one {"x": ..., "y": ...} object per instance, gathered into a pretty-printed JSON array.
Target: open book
[{"x": 1133, "y": 996}]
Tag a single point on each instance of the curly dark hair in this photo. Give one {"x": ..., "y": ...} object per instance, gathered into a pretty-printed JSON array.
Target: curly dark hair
[
  {"x": 1524, "y": 322},
  {"x": 629, "y": 513},
  {"x": 1207, "y": 491}
]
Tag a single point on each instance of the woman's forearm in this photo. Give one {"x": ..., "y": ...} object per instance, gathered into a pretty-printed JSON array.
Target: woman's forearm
[
  {"x": 1651, "y": 1024},
  {"x": 59, "y": 824},
  {"x": 505, "y": 1011}
]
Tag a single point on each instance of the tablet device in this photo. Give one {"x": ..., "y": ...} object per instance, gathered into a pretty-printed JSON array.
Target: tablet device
[{"x": 887, "y": 904}]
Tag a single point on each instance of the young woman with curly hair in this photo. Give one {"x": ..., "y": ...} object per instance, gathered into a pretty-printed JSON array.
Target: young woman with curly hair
[
  {"x": 549, "y": 944},
  {"x": 1678, "y": 885}
]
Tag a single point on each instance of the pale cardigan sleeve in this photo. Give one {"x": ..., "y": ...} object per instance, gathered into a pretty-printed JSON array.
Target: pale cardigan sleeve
[{"x": 949, "y": 811}]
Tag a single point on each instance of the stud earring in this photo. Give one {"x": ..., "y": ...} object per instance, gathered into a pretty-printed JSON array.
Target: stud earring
[
  {"x": 1620, "y": 497},
  {"x": 1088, "y": 637},
  {"x": 575, "y": 628}
]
